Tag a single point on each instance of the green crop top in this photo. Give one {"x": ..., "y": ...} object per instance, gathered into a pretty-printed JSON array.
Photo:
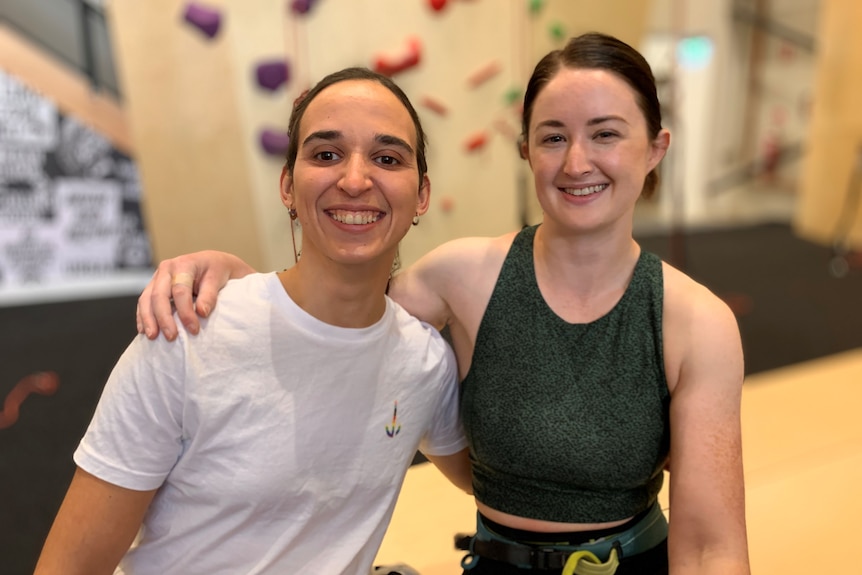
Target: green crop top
[{"x": 567, "y": 422}]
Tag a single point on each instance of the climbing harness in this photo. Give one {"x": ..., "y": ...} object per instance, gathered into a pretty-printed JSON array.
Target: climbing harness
[{"x": 596, "y": 557}]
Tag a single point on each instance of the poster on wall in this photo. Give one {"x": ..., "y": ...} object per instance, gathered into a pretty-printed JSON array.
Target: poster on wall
[{"x": 69, "y": 201}]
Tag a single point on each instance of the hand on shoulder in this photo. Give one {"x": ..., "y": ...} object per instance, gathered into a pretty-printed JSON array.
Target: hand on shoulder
[{"x": 189, "y": 282}]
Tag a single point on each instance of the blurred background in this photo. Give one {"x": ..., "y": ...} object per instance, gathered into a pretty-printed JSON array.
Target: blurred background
[{"x": 133, "y": 131}]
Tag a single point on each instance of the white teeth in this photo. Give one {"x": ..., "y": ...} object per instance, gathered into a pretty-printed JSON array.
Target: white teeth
[
  {"x": 585, "y": 191},
  {"x": 354, "y": 218}
]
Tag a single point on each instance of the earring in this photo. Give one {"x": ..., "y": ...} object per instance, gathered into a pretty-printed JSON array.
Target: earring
[
  {"x": 416, "y": 220},
  {"x": 291, "y": 211}
]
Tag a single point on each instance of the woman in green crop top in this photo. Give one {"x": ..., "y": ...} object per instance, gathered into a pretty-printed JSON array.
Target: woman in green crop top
[{"x": 588, "y": 365}]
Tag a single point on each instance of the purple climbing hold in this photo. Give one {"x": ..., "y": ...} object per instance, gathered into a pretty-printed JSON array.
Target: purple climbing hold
[
  {"x": 301, "y": 6},
  {"x": 271, "y": 75},
  {"x": 204, "y": 18},
  {"x": 274, "y": 142}
]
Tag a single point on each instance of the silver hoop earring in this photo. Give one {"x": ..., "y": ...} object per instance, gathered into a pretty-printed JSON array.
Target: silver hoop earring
[{"x": 416, "y": 220}]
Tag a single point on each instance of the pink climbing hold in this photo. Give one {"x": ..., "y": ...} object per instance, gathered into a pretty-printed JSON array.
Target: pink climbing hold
[
  {"x": 483, "y": 74},
  {"x": 389, "y": 66},
  {"x": 447, "y": 204},
  {"x": 204, "y": 18},
  {"x": 476, "y": 141},
  {"x": 506, "y": 129},
  {"x": 435, "y": 106}
]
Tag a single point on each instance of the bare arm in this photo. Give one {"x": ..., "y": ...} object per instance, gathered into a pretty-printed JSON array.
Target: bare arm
[
  {"x": 420, "y": 288},
  {"x": 453, "y": 281},
  {"x": 707, "y": 493},
  {"x": 456, "y": 468},
  {"x": 206, "y": 271},
  {"x": 94, "y": 528}
]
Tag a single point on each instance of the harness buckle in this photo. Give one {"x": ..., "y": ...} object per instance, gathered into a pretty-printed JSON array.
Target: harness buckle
[
  {"x": 462, "y": 541},
  {"x": 543, "y": 558}
]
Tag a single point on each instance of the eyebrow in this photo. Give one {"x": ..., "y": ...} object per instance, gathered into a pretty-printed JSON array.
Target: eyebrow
[
  {"x": 590, "y": 122},
  {"x": 385, "y": 139},
  {"x": 327, "y": 135},
  {"x": 388, "y": 140},
  {"x": 603, "y": 119}
]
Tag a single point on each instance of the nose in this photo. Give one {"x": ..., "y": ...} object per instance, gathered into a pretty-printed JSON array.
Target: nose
[
  {"x": 577, "y": 159},
  {"x": 356, "y": 177}
]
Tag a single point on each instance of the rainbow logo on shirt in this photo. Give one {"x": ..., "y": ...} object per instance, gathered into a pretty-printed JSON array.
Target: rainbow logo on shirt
[{"x": 392, "y": 430}]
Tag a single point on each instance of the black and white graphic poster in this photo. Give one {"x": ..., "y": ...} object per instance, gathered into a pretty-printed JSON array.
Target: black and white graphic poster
[{"x": 69, "y": 201}]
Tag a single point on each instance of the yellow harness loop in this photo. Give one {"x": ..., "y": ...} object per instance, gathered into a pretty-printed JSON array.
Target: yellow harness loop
[{"x": 586, "y": 563}]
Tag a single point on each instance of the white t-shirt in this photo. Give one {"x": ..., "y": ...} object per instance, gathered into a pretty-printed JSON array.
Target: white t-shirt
[{"x": 278, "y": 443}]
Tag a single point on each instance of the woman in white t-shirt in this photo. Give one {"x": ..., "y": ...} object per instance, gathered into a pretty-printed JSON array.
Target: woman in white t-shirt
[{"x": 276, "y": 441}]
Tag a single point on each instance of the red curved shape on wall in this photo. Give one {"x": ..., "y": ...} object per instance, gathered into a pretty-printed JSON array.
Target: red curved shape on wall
[{"x": 43, "y": 383}]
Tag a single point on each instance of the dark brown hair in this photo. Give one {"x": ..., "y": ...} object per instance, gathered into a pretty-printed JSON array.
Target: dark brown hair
[{"x": 602, "y": 52}]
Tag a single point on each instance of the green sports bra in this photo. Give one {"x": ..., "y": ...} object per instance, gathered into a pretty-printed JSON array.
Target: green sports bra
[{"x": 567, "y": 422}]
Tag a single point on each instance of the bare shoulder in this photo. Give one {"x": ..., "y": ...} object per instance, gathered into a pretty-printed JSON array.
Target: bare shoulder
[
  {"x": 688, "y": 301},
  {"x": 460, "y": 262},
  {"x": 444, "y": 283},
  {"x": 463, "y": 255},
  {"x": 700, "y": 330}
]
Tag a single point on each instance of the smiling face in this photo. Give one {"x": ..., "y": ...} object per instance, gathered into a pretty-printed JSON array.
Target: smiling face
[
  {"x": 589, "y": 148},
  {"x": 355, "y": 184}
]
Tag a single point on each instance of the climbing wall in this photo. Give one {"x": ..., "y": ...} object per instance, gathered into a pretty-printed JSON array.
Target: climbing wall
[{"x": 209, "y": 86}]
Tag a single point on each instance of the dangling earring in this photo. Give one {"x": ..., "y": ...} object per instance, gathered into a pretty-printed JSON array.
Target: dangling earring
[
  {"x": 416, "y": 219},
  {"x": 396, "y": 264},
  {"x": 291, "y": 211}
]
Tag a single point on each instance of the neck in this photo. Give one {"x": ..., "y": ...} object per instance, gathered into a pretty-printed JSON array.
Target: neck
[
  {"x": 343, "y": 296},
  {"x": 587, "y": 263}
]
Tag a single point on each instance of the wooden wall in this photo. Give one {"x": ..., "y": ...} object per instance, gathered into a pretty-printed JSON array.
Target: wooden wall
[
  {"x": 834, "y": 145},
  {"x": 181, "y": 96}
]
